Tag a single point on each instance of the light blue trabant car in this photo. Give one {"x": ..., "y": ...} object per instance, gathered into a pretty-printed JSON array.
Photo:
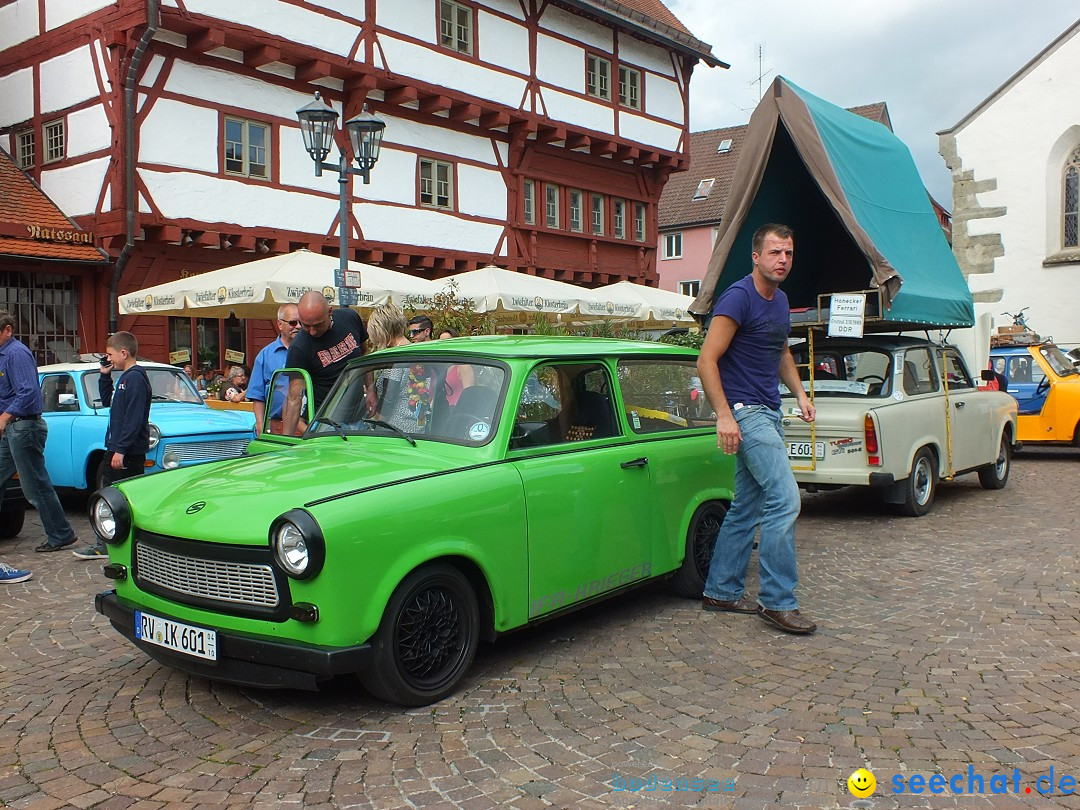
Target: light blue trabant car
[{"x": 183, "y": 429}]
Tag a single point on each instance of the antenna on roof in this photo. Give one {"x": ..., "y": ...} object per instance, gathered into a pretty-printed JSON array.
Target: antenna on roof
[{"x": 762, "y": 73}]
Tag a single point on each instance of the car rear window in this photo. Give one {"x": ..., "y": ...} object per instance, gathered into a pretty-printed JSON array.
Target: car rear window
[
  {"x": 663, "y": 394},
  {"x": 844, "y": 372}
]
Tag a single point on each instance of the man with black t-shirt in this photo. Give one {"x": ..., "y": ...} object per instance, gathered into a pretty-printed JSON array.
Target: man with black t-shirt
[{"x": 327, "y": 341}]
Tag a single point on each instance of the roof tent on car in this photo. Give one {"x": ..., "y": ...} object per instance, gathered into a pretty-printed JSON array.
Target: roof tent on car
[{"x": 862, "y": 218}]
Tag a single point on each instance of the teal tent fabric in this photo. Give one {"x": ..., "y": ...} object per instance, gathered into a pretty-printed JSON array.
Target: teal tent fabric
[{"x": 861, "y": 215}]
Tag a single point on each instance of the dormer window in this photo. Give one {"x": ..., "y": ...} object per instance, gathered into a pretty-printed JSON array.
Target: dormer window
[{"x": 704, "y": 189}]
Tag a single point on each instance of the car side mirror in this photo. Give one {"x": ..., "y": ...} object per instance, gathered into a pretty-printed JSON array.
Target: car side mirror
[{"x": 987, "y": 375}]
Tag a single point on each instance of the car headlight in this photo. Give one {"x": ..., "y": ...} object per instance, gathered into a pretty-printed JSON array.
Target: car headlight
[
  {"x": 155, "y": 435},
  {"x": 110, "y": 515},
  {"x": 170, "y": 460},
  {"x": 298, "y": 544}
]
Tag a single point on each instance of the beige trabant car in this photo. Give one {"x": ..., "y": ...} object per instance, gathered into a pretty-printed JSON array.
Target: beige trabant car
[{"x": 896, "y": 414}]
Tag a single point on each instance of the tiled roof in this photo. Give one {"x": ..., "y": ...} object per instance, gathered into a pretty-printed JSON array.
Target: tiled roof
[
  {"x": 679, "y": 209},
  {"x": 655, "y": 17},
  {"x": 23, "y": 203}
]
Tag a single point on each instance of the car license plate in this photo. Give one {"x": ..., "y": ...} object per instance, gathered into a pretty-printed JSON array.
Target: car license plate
[
  {"x": 802, "y": 450},
  {"x": 181, "y": 638}
]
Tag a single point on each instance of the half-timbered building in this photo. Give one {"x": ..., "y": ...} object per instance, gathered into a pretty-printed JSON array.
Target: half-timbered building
[{"x": 533, "y": 134}]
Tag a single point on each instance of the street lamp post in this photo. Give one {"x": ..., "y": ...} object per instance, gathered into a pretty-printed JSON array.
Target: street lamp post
[{"x": 365, "y": 131}]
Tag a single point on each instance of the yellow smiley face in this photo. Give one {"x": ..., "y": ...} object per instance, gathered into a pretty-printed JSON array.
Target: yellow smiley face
[{"x": 862, "y": 784}]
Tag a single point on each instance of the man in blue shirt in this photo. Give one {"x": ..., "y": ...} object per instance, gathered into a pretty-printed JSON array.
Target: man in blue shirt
[
  {"x": 23, "y": 433},
  {"x": 269, "y": 360},
  {"x": 744, "y": 357}
]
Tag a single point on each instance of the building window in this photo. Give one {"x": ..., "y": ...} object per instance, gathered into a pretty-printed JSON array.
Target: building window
[
  {"x": 575, "y": 210},
  {"x": 704, "y": 189},
  {"x": 598, "y": 77},
  {"x": 528, "y": 196},
  {"x": 639, "y": 222},
  {"x": 436, "y": 183},
  {"x": 673, "y": 245},
  {"x": 246, "y": 148},
  {"x": 597, "y": 209},
  {"x": 551, "y": 205},
  {"x": 630, "y": 88},
  {"x": 691, "y": 288},
  {"x": 1072, "y": 197},
  {"x": 54, "y": 141},
  {"x": 724, "y": 146},
  {"x": 618, "y": 218},
  {"x": 24, "y": 149},
  {"x": 456, "y": 26}
]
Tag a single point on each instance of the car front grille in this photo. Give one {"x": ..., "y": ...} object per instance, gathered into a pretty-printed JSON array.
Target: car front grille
[
  {"x": 208, "y": 451},
  {"x": 199, "y": 578}
]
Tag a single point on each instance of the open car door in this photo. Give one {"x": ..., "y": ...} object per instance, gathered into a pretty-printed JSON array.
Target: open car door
[{"x": 288, "y": 409}]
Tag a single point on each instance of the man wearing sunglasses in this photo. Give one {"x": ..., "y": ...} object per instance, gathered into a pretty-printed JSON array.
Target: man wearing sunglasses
[
  {"x": 270, "y": 359},
  {"x": 419, "y": 329}
]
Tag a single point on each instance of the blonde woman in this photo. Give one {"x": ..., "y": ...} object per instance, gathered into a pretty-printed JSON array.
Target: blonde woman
[{"x": 403, "y": 392}]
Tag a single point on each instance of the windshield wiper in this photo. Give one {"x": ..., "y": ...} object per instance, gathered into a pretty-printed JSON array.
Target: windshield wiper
[
  {"x": 394, "y": 428},
  {"x": 333, "y": 424}
]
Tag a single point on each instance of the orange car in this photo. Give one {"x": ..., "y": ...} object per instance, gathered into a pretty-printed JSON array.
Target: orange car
[{"x": 1047, "y": 390}]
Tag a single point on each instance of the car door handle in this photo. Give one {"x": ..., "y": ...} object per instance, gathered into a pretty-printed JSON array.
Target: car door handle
[
  {"x": 960, "y": 404},
  {"x": 637, "y": 462}
]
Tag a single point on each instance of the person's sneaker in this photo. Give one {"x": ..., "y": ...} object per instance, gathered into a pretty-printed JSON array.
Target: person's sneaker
[
  {"x": 91, "y": 553},
  {"x": 48, "y": 547},
  {"x": 9, "y": 575}
]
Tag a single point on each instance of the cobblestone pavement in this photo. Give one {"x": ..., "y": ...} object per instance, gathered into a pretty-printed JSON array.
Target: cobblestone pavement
[{"x": 948, "y": 644}]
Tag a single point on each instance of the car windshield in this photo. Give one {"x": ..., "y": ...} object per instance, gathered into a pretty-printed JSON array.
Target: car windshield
[
  {"x": 167, "y": 384},
  {"x": 441, "y": 400},
  {"x": 844, "y": 372},
  {"x": 1061, "y": 364}
]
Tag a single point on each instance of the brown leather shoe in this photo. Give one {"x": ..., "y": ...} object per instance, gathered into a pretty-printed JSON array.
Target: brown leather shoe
[
  {"x": 790, "y": 621},
  {"x": 742, "y": 605}
]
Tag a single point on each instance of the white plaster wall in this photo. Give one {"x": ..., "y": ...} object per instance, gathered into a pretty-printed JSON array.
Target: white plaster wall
[
  {"x": 178, "y": 134},
  {"x": 18, "y": 22},
  {"x": 393, "y": 179},
  {"x": 570, "y": 25},
  {"x": 291, "y": 22},
  {"x": 346, "y": 8},
  {"x": 75, "y": 189},
  {"x": 402, "y": 132},
  {"x": 68, "y": 79},
  {"x": 481, "y": 192},
  {"x": 1019, "y": 141},
  {"x": 61, "y": 12},
  {"x": 88, "y": 130},
  {"x": 417, "y": 18},
  {"x": 426, "y": 228},
  {"x": 581, "y": 113},
  {"x": 151, "y": 69},
  {"x": 295, "y": 166},
  {"x": 224, "y": 87},
  {"x": 642, "y": 54},
  {"x": 503, "y": 42},
  {"x": 559, "y": 63},
  {"x": 649, "y": 132},
  {"x": 16, "y": 97},
  {"x": 214, "y": 199},
  {"x": 442, "y": 70},
  {"x": 663, "y": 99}
]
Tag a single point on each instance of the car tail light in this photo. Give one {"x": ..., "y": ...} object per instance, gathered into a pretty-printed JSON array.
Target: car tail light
[{"x": 870, "y": 435}]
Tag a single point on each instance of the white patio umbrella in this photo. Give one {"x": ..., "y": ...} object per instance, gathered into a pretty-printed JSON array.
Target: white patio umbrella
[
  {"x": 256, "y": 289},
  {"x": 657, "y": 305},
  {"x": 492, "y": 288}
]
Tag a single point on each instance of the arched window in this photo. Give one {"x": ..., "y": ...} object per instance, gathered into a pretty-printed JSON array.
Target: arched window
[{"x": 1071, "y": 211}]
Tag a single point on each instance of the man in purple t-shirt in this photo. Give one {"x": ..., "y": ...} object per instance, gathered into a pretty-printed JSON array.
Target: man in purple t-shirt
[{"x": 744, "y": 356}]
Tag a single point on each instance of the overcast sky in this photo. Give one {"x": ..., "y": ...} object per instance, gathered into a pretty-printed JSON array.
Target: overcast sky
[{"x": 931, "y": 61}]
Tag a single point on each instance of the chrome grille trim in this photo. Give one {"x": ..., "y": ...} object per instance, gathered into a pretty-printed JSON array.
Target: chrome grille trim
[
  {"x": 232, "y": 582},
  {"x": 208, "y": 451}
]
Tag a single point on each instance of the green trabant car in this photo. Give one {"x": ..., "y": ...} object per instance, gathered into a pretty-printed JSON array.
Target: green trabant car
[{"x": 446, "y": 492}]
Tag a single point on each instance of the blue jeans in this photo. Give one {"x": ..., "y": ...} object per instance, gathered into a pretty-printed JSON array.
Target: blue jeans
[
  {"x": 766, "y": 497},
  {"x": 22, "y": 450}
]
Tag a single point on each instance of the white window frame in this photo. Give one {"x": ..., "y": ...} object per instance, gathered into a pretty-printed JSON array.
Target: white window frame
[
  {"x": 248, "y": 151},
  {"x": 551, "y": 206},
  {"x": 618, "y": 218},
  {"x": 640, "y": 226},
  {"x": 54, "y": 141},
  {"x": 630, "y": 87},
  {"x": 690, "y": 287},
  {"x": 704, "y": 189},
  {"x": 672, "y": 245},
  {"x": 25, "y": 143},
  {"x": 438, "y": 185},
  {"x": 598, "y": 77},
  {"x": 459, "y": 37},
  {"x": 596, "y": 214},
  {"x": 528, "y": 201},
  {"x": 573, "y": 205}
]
